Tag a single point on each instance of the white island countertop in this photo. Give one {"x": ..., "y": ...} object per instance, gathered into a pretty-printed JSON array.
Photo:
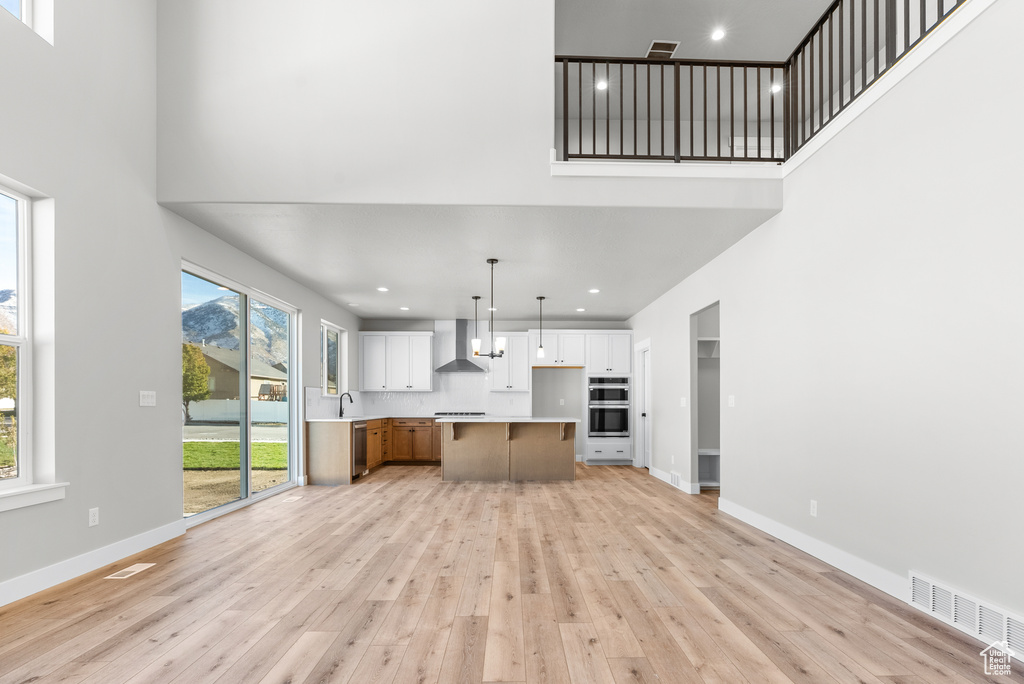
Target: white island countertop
[
  {"x": 450, "y": 419},
  {"x": 503, "y": 419}
]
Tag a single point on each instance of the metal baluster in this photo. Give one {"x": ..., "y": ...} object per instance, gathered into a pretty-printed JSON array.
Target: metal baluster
[
  {"x": 565, "y": 110},
  {"x": 675, "y": 116}
]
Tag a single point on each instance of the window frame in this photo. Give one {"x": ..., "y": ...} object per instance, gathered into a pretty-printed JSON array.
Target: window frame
[
  {"x": 22, "y": 342},
  {"x": 340, "y": 374}
]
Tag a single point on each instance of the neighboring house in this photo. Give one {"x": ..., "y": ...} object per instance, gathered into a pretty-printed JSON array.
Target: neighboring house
[{"x": 224, "y": 369}]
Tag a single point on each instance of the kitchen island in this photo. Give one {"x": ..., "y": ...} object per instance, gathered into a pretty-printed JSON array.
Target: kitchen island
[{"x": 503, "y": 448}]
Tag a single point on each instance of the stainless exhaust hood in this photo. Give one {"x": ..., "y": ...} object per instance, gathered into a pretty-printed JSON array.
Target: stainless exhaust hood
[{"x": 461, "y": 364}]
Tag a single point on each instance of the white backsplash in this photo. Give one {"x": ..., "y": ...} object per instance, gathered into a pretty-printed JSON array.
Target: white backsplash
[{"x": 452, "y": 392}]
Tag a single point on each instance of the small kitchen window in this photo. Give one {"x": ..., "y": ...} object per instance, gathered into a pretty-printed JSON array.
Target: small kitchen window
[
  {"x": 15, "y": 467},
  {"x": 333, "y": 358}
]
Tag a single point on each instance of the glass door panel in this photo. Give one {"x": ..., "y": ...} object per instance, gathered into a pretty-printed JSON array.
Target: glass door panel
[
  {"x": 214, "y": 380},
  {"x": 269, "y": 393}
]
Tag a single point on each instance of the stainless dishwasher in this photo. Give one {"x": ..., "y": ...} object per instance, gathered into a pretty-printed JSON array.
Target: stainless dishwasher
[{"x": 359, "y": 449}]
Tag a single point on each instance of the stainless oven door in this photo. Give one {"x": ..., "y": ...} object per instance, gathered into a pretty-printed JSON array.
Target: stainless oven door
[
  {"x": 609, "y": 420},
  {"x": 608, "y": 394}
]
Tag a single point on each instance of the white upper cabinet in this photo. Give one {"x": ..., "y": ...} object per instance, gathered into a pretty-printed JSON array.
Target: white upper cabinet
[
  {"x": 609, "y": 353},
  {"x": 396, "y": 362},
  {"x": 372, "y": 362},
  {"x": 560, "y": 349},
  {"x": 511, "y": 372}
]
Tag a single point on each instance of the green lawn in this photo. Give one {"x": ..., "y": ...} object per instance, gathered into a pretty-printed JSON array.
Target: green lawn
[
  {"x": 6, "y": 455},
  {"x": 224, "y": 456}
]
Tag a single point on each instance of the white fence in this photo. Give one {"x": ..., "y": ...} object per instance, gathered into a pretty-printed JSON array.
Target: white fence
[{"x": 228, "y": 410}]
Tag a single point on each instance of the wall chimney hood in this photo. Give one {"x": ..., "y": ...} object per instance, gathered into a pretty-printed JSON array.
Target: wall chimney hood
[{"x": 461, "y": 364}]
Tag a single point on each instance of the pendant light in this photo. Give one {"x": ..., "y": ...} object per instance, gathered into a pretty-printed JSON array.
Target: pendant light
[
  {"x": 540, "y": 347},
  {"x": 476, "y": 333},
  {"x": 497, "y": 346}
]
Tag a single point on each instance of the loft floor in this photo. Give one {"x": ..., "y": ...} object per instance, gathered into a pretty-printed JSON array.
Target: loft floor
[{"x": 615, "y": 577}]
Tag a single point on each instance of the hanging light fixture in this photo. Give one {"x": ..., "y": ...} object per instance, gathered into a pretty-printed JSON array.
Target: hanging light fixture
[
  {"x": 540, "y": 347},
  {"x": 476, "y": 333},
  {"x": 497, "y": 345}
]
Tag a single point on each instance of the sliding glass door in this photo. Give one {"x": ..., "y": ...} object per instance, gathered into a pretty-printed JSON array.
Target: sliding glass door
[
  {"x": 236, "y": 422},
  {"x": 269, "y": 398}
]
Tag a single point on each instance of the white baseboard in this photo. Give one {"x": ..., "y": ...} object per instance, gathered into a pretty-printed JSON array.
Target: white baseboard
[
  {"x": 688, "y": 487},
  {"x": 891, "y": 583},
  {"x": 19, "y": 587}
]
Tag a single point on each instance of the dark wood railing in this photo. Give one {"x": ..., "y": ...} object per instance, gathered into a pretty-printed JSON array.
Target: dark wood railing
[{"x": 701, "y": 110}]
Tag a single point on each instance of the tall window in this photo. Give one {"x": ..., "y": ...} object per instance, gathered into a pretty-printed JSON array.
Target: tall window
[
  {"x": 331, "y": 342},
  {"x": 14, "y": 338}
]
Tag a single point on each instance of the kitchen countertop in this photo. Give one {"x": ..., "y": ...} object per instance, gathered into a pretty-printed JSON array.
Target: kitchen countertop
[
  {"x": 503, "y": 419},
  {"x": 451, "y": 419}
]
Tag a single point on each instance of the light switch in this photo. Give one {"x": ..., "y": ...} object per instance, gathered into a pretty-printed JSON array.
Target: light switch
[
  {"x": 682, "y": 402},
  {"x": 732, "y": 400},
  {"x": 561, "y": 402},
  {"x": 147, "y": 398}
]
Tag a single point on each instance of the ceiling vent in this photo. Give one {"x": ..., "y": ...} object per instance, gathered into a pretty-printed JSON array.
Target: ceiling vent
[{"x": 662, "y": 49}]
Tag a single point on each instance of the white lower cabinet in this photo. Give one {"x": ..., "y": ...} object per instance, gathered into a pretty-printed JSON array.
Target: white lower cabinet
[
  {"x": 511, "y": 372},
  {"x": 396, "y": 362},
  {"x": 609, "y": 449}
]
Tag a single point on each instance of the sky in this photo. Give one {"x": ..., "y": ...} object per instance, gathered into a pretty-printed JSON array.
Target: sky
[
  {"x": 195, "y": 290},
  {"x": 8, "y": 240},
  {"x": 12, "y": 6}
]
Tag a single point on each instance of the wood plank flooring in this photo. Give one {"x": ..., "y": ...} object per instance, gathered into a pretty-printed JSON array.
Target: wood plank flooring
[{"x": 613, "y": 578}]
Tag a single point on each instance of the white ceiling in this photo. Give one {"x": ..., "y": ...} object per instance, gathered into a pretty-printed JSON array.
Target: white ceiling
[
  {"x": 756, "y": 30},
  {"x": 433, "y": 259}
]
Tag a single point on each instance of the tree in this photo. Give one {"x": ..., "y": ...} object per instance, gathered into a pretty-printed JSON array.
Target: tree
[
  {"x": 195, "y": 376},
  {"x": 8, "y": 390}
]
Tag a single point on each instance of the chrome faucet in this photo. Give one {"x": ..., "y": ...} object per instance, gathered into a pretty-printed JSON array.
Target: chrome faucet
[{"x": 341, "y": 404}]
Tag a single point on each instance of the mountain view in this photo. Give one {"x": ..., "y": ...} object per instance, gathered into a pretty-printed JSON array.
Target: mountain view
[
  {"x": 8, "y": 309},
  {"x": 216, "y": 323}
]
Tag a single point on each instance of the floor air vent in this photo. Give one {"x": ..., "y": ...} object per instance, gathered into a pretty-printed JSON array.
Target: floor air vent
[
  {"x": 674, "y": 478},
  {"x": 983, "y": 621},
  {"x": 130, "y": 570}
]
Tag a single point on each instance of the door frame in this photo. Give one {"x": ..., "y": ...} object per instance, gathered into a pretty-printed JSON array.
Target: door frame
[{"x": 642, "y": 387}]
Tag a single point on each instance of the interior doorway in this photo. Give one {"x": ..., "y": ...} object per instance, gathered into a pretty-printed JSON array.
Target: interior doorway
[
  {"x": 706, "y": 387},
  {"x": 643, "y": 420}
]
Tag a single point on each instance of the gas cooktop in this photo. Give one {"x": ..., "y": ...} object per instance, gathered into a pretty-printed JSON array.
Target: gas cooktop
[{"x": 459, "y": 413}]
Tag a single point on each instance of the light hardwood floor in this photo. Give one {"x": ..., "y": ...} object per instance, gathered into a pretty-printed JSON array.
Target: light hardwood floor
[{"x": 613, "y": 578}]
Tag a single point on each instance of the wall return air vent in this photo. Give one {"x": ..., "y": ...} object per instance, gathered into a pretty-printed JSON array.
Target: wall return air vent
[
  {"x": 981, "y": 620},
  {"x": 662, "y": 49}
]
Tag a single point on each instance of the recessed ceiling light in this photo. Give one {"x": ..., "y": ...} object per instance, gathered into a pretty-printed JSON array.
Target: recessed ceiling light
[
  {"x": 581, "y": 309},
  {"x": 382, "y": 289},
  {"x": 593, "y": 291},
  {"x": 718, "y": 34},
  {"x": 404, "y": 308},
  {"x": 776, "y": 87},
  {"x": 352, "y": 304},
  {"x": 602, "y": 85}
]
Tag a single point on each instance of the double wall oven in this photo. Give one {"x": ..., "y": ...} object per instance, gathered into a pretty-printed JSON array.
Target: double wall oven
[{"x": 608, "y": 406}]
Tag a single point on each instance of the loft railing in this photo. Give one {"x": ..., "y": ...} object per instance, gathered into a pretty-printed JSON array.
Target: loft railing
[{"x": 700, "y": 110}]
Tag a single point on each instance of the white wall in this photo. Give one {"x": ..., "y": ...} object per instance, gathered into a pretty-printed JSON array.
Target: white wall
[
  {"x": 405, "y": 102},
  {"x": 872, "y": 333},
  {"x": 79, "y": 125}
]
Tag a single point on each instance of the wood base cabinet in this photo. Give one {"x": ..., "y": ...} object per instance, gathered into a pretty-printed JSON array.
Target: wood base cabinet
[{"x": 412, "y": 439}]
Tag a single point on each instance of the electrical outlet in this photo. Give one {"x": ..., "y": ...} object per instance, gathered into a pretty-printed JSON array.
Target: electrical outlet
[
  {"x": 814, "y": 508},
  {"x": 732, "y": 400},
  {"x": 673, "y": 459},
  {"x": 561, "y": 402},
  {"x": 682, "y": 402},
  {"x": 94, "y": 517}
]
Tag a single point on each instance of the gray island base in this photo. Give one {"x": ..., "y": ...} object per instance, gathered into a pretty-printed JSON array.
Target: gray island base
[{"x": 502, "y": 449}]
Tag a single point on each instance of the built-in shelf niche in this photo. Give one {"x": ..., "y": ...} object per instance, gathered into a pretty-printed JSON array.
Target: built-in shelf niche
[{"x": 708, "y": 347}]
